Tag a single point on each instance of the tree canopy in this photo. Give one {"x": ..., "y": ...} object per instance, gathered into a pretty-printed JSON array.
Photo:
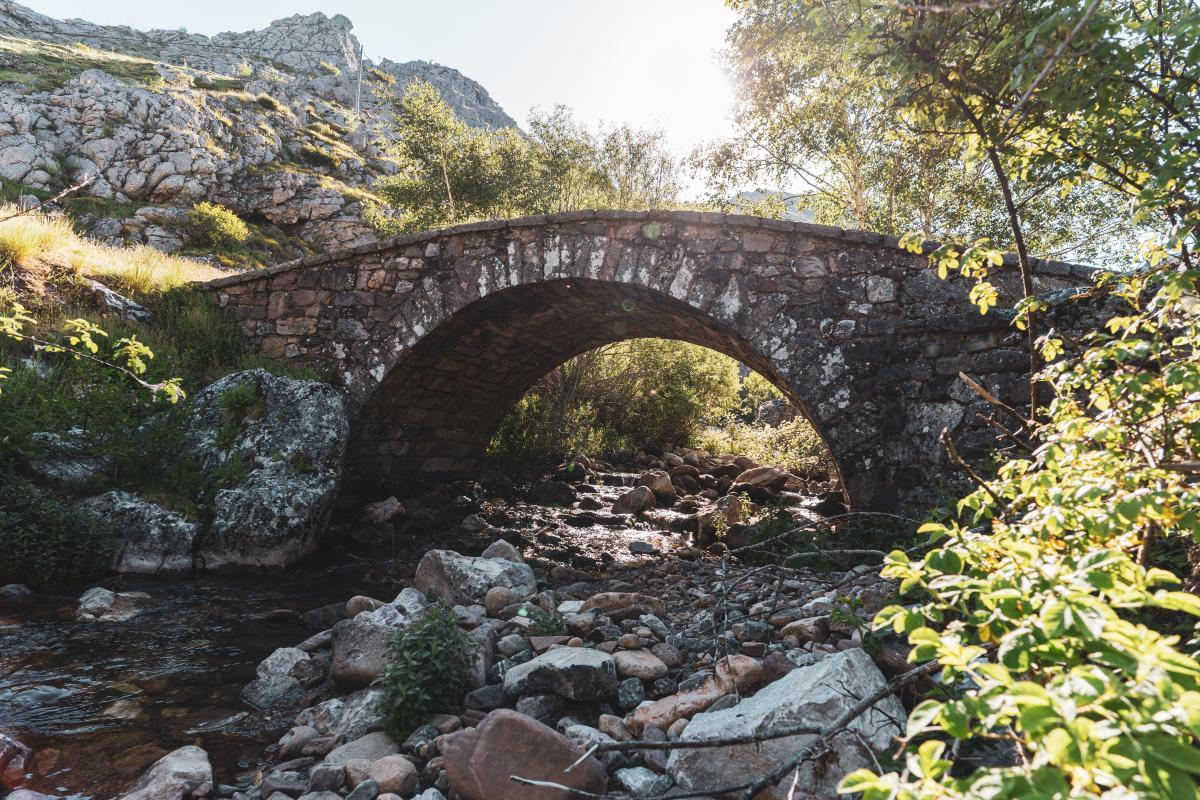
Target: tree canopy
[{"x": 451, "y": 173}]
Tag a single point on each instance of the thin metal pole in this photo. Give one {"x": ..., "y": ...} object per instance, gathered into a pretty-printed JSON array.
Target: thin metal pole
[{"x": 358, "y": 88}]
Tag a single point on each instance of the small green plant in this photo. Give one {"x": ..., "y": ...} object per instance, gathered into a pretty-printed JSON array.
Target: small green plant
[
  {"x": 427, "y": 671},
  {"x": 545, "y": 623},
  {"x": 232, "y": 472},
  {"x": 302, "y": 463},
  {"x": 47, "y": 542},
  {"x": 217, "y": 225},
  {"x": 330, "y": 68},
  {"x": 240, "y": 399}
]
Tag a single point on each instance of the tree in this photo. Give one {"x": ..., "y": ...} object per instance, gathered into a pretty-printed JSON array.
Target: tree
[
  {"x": 452, "y": 173},
  {"x": 1042, "y": 599}
]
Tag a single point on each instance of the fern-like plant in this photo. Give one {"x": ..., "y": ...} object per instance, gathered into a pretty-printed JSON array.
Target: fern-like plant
[{"x": 427, "y": 671}]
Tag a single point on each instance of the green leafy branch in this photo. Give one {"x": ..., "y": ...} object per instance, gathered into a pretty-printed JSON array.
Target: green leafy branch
[{"x": 79, "y": 340}]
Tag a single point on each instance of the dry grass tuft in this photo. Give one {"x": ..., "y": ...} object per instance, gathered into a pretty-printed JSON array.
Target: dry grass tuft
[{"x": 33, "y": 242}]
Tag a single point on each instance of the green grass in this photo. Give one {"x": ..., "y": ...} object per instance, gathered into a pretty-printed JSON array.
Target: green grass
[{"x": 41, "y": 66}]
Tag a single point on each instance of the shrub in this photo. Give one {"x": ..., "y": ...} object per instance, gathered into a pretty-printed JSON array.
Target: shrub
[
  {"x": 330, "y": 68},
  {"x": 630, "y": 395},
  {"x": 427, "y": 671},
  {"x": 793, "y": 445},
  {"x": 47, "y": 542},
  {"x": 545, "y": 623},
  {"x": 217, "y": 225}
]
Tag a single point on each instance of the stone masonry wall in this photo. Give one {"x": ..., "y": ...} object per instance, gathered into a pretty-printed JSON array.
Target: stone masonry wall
[{"x": 434, "y": 337}]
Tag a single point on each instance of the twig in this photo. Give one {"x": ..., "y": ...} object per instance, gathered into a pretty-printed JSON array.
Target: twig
[
  {"x": 69, "y": 190},
  {"x": 979, "y": 389},
  {"x": 552, "y": 785},
  {"x": 1050, "y": 62},
  {"x": 952, "y": 451}
]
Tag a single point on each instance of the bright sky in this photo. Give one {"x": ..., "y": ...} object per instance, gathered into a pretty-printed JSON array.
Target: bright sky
[{"x": 652, "y": 63}]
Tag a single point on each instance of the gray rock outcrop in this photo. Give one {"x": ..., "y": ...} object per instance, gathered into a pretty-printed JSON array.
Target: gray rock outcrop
[
  {"x": 278, "y": 463},
  {"x": 261, "y": 121},
  {"x": 814, "y": 695},
  {"x": 154, "y": 540}
]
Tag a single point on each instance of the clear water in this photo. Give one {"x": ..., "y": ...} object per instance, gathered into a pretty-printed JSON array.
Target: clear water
[{"x": 112, "y": 698}]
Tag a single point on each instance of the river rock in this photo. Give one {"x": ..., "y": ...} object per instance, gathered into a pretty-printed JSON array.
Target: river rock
[
  {"x": 465, "y": 580},
  {"x": 575, "y": 673},
  {"x": 15, "y": 594},
  {"x": 394, "y": 774},
  {"x": 153, "y": 540},
  {"x": 371, "y": 748},
  {"x": 504, "y": 550},
  {"x": 552, "y": 493},
  {"x": 659, "y": 482},
  {"x": 345, "y": 718},
  {"x": 275, "y": 683},
  {"x": 287, "y": 456},
  {"x": 625, "y": 605},
  {"x": 736, "y": 673},
  {"x": 635, "y": 501},
  {"x": 772, "y": 479},
  {"x": 180, "y": 774},
  {"x": 814, "y": 695},
  {"x": 641, "y": 782},
  {"x": 101, "y": 605},
  {"x": 479, "y": 761},
  {"x": 15, "y": 761},
  {"x": 641, "y": 664},
  {"x": 360, "y": 645},
  {"x": 384, "y": 511}
]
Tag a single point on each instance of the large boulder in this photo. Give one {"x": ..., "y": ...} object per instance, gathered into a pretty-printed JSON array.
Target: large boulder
[
  {"x": 67, "y": 460},
  {"x": 575, "y": 673},
  {"x": 815, "y": 695},
  {"x": 464, "y": 580},
  {"x": 481, "y": 761},
  {"x": 360, "y": 644},
  {"x": 154, "y": 540},
  {"x": 274, "y": 445},
  {"x": 181, "y": 774}
]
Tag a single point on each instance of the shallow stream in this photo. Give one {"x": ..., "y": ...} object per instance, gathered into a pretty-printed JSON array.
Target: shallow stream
[{"x": 99, "y": 702}]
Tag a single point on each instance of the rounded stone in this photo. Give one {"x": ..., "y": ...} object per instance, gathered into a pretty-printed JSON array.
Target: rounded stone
[{"x": 394, "y": 774}]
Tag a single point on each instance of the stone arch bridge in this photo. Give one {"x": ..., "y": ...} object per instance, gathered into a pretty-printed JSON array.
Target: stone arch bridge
[{"x": 434, "y": 337}]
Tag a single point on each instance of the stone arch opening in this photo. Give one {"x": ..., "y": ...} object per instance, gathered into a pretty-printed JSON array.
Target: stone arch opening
[{"x": 434, "y": 413}]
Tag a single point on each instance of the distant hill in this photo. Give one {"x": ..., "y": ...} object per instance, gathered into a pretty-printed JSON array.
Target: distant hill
[{"x": 263, "y": 122}]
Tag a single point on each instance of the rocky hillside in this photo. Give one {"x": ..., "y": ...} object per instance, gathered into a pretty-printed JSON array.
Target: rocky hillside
[{"x": 263, "y": 122}]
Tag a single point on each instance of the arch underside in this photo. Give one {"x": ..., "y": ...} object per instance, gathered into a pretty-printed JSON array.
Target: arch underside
[{"x": 434, "y": 413}]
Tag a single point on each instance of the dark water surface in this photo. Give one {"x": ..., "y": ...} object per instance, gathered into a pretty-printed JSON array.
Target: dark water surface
[{"x": 112, "y": 698}]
